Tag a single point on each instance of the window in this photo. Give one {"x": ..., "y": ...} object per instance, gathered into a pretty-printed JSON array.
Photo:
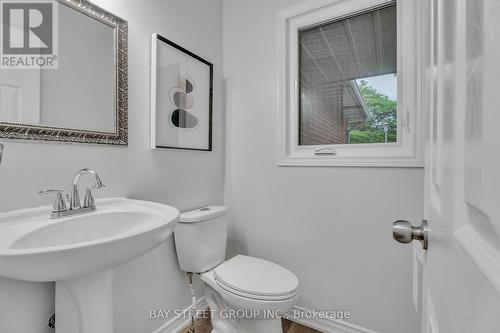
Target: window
[
  {"x": 349, "y": 84},
  {"x": 347, "y": 80}
]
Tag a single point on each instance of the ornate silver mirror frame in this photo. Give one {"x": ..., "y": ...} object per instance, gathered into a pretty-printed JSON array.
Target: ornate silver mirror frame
[{"x": 120, "y": 135}]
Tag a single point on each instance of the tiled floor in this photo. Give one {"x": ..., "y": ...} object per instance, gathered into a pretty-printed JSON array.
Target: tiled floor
[{"x": 204, "y": 326}]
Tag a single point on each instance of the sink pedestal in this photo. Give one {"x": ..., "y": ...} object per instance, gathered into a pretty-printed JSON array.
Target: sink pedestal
[{"x": 85, "y": 304}]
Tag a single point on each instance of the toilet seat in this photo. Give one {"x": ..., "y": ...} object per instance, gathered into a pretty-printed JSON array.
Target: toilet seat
[
  {"x": 256, "y": 278},
  {"x": 257, "y": 297}
]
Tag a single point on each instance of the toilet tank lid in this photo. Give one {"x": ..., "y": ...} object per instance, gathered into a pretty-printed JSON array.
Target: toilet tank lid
[{"x": 202, "y": 214}]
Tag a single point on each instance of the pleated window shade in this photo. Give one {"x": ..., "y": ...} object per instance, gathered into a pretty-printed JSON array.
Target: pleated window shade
[{"x": 333, "y": 57}]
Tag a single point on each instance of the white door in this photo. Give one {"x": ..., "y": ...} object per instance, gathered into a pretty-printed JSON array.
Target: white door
[
  {"x": 20, "y": 95},
  {"x": 461, "y": 94}
]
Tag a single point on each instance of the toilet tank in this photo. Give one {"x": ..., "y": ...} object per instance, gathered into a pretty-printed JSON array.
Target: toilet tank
[{"x": 200, "y": 238}]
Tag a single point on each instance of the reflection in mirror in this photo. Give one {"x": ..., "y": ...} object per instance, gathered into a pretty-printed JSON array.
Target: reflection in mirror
[
  {"x": 79, "y": 94},
  {"x": 84, "y": 98}
]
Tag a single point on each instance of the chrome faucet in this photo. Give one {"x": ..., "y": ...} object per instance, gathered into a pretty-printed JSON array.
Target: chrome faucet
[
  {"x": 65, "y": 206},
  {"x": 89, "y": 199}
]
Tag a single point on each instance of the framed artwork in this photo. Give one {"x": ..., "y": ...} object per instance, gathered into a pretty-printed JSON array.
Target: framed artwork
[{"x": 181, "y": 97}]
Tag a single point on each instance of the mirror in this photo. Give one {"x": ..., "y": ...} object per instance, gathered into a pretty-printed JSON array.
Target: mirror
[{"x": 84, "y": 97}]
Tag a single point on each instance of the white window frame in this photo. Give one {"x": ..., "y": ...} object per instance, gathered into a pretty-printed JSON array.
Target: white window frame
[{"x": 408, "y": 150}]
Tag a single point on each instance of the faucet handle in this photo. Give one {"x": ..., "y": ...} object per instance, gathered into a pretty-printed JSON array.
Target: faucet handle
[
  {"x": 89, "y": 200},
  {"x": 59, "y": 204},
  {"x": 46, "y": 191}
]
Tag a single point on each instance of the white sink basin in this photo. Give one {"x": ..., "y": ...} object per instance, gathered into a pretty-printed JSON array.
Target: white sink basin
[
  {"x": 80, "y": 253},
  {"x": 34, "y": 247}
]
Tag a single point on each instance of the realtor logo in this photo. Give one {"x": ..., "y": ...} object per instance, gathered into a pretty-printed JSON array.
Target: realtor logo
[{"x": 29, "y": 34}]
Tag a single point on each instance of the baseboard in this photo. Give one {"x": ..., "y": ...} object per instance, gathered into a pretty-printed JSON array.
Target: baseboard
[
  {"x": 178, "y": 323},
  {"x": 326, "y": 325}
]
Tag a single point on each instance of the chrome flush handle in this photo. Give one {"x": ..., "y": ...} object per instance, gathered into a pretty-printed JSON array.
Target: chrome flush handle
[{"x": 404, "y": 232}]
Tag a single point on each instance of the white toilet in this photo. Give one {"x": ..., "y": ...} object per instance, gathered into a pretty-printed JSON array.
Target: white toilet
[{"x": 245, "y": 294}]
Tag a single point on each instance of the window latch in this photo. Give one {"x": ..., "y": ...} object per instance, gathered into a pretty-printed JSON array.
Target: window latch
[{"x": 325, "y": 151}]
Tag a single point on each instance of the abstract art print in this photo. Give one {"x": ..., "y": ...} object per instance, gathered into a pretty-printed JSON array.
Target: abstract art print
[{"x": 181, "y": 97}]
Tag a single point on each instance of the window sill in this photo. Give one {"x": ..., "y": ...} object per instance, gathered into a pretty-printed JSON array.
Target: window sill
[
  {"x": 349, "y": 162},
  {"x": 381, "y": 156}
]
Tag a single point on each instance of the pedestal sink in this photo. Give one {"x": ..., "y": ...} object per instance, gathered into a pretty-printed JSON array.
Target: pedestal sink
[{"x": 80, "y": 252}]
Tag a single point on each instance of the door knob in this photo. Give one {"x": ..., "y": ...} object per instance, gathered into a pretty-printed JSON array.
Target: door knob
[{"x": 404, "y": 232}]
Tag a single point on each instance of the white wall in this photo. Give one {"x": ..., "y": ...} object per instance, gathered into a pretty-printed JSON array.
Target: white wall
[
  {"x": 331, "y": 226},
  {"x": 180, "y": 178}
]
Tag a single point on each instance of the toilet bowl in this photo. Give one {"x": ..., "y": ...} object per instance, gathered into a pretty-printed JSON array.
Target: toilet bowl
[{"x": 245, "y": 294}]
